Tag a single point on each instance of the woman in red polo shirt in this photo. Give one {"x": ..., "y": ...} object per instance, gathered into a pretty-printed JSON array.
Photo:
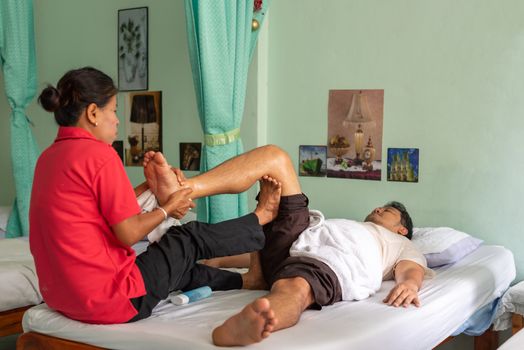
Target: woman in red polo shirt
[{"x": 84, "y": 217}]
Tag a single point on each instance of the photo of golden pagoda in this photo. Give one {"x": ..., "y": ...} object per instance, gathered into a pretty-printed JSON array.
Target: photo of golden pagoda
[{"x": 403, "y": 164}]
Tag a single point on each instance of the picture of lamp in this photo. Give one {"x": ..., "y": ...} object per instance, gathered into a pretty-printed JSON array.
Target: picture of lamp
[
  {"x": 359, "y": 114},
  {"x": 143, "y": 112}
]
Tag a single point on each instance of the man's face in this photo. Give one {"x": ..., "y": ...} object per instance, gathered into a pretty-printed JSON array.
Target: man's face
[{"x": 387, "y": 217}]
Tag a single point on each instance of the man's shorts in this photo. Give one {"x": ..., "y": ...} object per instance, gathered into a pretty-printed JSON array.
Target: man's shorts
[{"x": 292, "y": 219}]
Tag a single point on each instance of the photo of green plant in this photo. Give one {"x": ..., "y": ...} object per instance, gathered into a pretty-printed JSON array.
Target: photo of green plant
[{"x": 133, "y": 49}]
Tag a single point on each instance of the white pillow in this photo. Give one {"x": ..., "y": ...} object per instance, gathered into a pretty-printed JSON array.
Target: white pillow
[{"x": 443, "y": 245}]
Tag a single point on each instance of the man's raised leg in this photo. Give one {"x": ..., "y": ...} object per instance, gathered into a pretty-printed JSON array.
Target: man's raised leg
[{"x": 233, "y": 176}]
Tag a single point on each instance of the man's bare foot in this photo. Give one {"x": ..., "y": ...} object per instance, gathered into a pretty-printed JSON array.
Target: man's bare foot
[
  {"x": 161, "y": 180},
  {"x": 268, "y": 200},
  {"x": 254, "y": 278},
  {"x": 251, "y": 325}
]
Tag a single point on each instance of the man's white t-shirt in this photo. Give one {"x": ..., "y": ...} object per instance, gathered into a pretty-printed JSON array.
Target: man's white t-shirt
[
  {"x": 394, "y": 248},
  {"x": 360, "y": 254}
]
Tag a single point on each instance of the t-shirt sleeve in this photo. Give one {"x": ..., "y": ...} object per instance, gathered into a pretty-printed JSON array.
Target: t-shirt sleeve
[
  {"x": 116, "y": 197},
  {"x": 411, "y": 253}
]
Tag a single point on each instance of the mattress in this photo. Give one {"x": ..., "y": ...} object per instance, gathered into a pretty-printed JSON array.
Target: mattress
[{"x": 448, "y": 300}]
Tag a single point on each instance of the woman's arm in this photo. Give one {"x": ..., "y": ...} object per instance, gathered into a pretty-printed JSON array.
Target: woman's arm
[{"x": 135, "y": 228}]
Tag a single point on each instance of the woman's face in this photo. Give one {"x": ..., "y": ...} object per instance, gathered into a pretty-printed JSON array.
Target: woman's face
[{"x": 107, "y": 128}]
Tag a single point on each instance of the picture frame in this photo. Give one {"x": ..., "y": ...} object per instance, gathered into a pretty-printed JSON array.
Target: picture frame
[
  {"x": 133, "y": 41},
  {"x": 190, "y": 153},
  {"x": 118, "y": 145},
  {"x": 403, "y": 164},
  {"x": 355, "y": 124},
  {"x": 143, "y": 115},
  {"x": 312, "y": 161}
]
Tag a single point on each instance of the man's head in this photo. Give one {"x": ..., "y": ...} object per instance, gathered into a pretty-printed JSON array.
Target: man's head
[{"x": 394, "y": 217}]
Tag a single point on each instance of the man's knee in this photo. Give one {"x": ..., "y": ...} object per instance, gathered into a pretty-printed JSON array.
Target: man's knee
[
  {"x": 275, "y": 153},
  {"x": 297, "y": 286}
]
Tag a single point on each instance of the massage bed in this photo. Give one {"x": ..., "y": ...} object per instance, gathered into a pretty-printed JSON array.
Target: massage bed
[
  {"x": 19, "y": 283},
  {"x": 448, "y": 301},
  {"x": 18, "y": 280}
]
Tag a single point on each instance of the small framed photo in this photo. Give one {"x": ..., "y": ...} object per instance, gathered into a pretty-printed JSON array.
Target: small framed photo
[
  {"x": 403, "y": 164},
  {"x": 143, "y": 113},
  {"x": 312, "y": 161},
  {"x": 133, "y": 49},
  {"x": 190, "y": 155},
  {"x": 118, "y": 145}
]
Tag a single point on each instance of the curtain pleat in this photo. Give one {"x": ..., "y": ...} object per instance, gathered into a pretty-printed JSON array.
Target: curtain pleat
[{"x": 18, "y": 60}]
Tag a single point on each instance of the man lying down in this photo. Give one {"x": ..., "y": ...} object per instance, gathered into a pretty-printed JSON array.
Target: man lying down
[{"x": 308, "y": 261}]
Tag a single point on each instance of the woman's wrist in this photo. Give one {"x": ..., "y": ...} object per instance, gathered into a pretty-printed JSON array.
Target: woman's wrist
[{"x": 163, "y": 212}]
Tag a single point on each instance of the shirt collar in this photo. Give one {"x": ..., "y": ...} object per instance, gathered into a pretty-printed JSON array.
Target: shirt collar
[{"x": 73, "y": 132}]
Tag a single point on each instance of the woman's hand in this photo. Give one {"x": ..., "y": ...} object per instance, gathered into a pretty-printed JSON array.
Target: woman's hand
[
  {"x": 179, "y": 203},
  {"x": 179, "y": 176}
]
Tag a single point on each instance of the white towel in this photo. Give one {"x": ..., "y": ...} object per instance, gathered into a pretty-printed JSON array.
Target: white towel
[
  {"x": 348, "y": 248},
  {"x": 147, "y": 201},
  {"x": 512, "y": 302}
]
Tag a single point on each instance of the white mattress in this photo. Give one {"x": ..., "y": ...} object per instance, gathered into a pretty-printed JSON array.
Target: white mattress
[
  {"x": 447, "y": 301},
  {"x": 18, "y": 281}
]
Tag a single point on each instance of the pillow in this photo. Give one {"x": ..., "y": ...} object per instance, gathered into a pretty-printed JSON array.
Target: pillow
[{"x": 443, "y": 245}]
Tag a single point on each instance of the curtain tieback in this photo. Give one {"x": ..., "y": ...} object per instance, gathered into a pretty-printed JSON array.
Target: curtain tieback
[{"x": 222, "y": 139}]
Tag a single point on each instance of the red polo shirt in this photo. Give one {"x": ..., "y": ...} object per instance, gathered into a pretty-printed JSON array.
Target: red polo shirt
[{"x": 80, "y": 189}]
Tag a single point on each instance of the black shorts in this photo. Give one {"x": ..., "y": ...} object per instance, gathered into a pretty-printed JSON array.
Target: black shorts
[{"x": 292, "y": 219}]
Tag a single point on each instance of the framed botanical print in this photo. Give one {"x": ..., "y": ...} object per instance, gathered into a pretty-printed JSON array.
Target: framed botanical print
[{"x": 133, "y": 49}]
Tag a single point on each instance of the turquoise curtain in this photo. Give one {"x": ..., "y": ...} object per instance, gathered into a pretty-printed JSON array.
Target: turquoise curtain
[
  {"x": 17, "y": 57},
  {"x": 221, "y": 45}
]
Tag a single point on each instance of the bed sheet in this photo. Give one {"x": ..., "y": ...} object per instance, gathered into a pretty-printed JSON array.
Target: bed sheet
[
  {"x": 448, "y": 300},
  {"x": 18, "y": 281}
]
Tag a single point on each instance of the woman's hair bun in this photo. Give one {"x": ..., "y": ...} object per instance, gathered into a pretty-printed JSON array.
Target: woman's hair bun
[{"x": 49, "y": 99}]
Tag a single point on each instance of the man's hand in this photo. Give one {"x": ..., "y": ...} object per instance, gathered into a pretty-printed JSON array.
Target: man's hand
[
  {"x": 403, "y": 294},
  {"x": 179, "y": 203},
  {"x": 409, "y": 276}
]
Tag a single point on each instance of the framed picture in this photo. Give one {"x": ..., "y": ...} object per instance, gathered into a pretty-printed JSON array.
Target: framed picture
[
  {"x": 312, "y": 161},
  {"x": 118, "y": 145},
  {"x": 403, "y": 164},
  {"x": 355, "y": 120},
  {"x": 190, "y": 156},
  {"x": 133, "y": 49},
  {"x": 143, "y": 113}
]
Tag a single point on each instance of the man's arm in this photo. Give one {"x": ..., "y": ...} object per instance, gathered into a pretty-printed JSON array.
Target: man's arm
[{"x": 409, "y": 276}]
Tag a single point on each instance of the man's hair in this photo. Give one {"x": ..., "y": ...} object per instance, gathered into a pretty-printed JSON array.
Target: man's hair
[{"x": 405, "y": 219}]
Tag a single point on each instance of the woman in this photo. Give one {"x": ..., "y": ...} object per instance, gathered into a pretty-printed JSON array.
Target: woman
[{"x": 84, "y": 217}]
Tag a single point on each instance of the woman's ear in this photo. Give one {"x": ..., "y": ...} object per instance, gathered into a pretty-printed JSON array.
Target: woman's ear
[{"x": 91, "y": 111}]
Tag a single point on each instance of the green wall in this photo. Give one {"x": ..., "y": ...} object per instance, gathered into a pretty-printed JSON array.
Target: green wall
[
  {"x": 452, "y": 72},
  {"x": 72, "y": 34}
]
